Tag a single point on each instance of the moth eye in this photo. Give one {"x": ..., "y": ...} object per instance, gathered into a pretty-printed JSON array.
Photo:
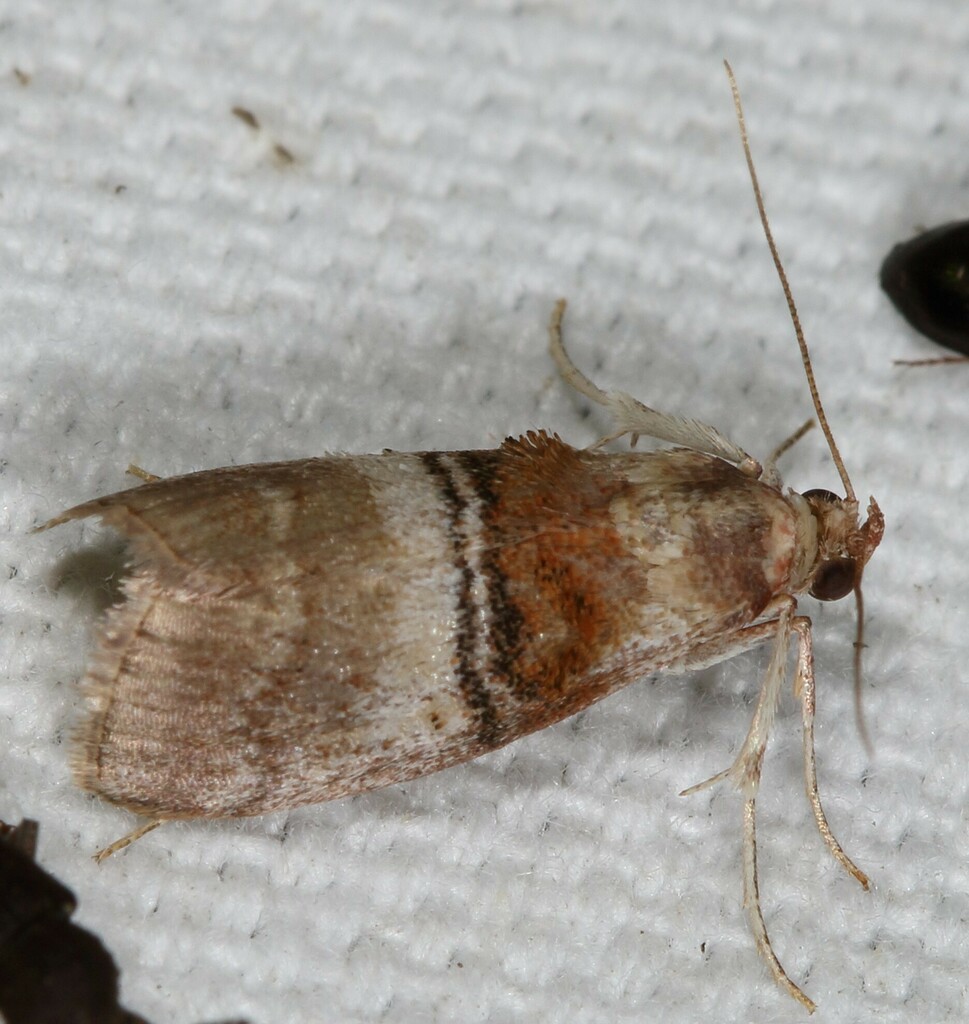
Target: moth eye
[
  {"x": 834, "y": 580},
  {"x": 822, "y": 495}
]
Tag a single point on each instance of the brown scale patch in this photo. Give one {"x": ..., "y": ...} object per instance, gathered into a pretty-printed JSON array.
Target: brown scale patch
[
  {"x": 734, "y": 541},
  {"x": 234, "y": 526},
  {"x": 204, "y": 682},
  {"x": 611, "y": 565},
  {"x": 559, "y": 572}
]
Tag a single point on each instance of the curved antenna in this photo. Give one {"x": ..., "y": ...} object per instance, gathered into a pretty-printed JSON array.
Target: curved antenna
[{"x": 802, "y": 344}]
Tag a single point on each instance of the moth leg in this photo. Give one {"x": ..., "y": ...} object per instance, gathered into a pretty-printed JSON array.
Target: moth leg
[
  {"x": 938, "y": 361},
  {"x": 771, "y": 475},
  {"x": 127, "y": 840},
  {"x": 745, "y": 773},
  {"x": 636, "y": 419},
  {"x": 755, "y": 917},
  {"x": 804, "y": 687},
  {"x": 713, "y": 652},
  {"x": 142, "y": 474},
  {"x": 745, "y": 770}
]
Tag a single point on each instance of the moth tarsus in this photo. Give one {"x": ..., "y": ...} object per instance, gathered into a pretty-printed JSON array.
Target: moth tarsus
[
  {"x": 937, "y": 361},
  {"x": 127, "y": 839}
]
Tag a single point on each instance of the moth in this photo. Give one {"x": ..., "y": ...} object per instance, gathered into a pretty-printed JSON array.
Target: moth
[{"x": 296, "y": 632}]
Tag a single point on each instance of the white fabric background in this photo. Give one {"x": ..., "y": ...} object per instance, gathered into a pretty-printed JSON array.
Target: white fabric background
[{"x": 174, "y": 295}]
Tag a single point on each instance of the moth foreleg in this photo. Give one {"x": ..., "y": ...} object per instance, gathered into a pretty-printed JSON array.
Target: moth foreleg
[
  {"x": 634, "y": 418},
  {"x": 755, "y": 917},
  {"x": 745, "y": 770}
]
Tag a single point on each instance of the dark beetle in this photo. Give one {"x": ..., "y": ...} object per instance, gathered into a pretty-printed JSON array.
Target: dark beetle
[{"x": 927, "y": 279}]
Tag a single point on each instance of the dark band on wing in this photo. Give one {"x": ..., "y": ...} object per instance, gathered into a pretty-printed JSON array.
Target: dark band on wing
[
  {"x": 473, "y": 687},
  {"x": 506, "y": 620}
]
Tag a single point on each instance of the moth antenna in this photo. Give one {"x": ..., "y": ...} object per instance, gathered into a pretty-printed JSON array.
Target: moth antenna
[{"x": 788, "y": 295}]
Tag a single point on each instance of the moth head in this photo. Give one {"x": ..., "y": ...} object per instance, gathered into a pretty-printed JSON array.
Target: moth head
[{"x": 844, "y": 545}]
